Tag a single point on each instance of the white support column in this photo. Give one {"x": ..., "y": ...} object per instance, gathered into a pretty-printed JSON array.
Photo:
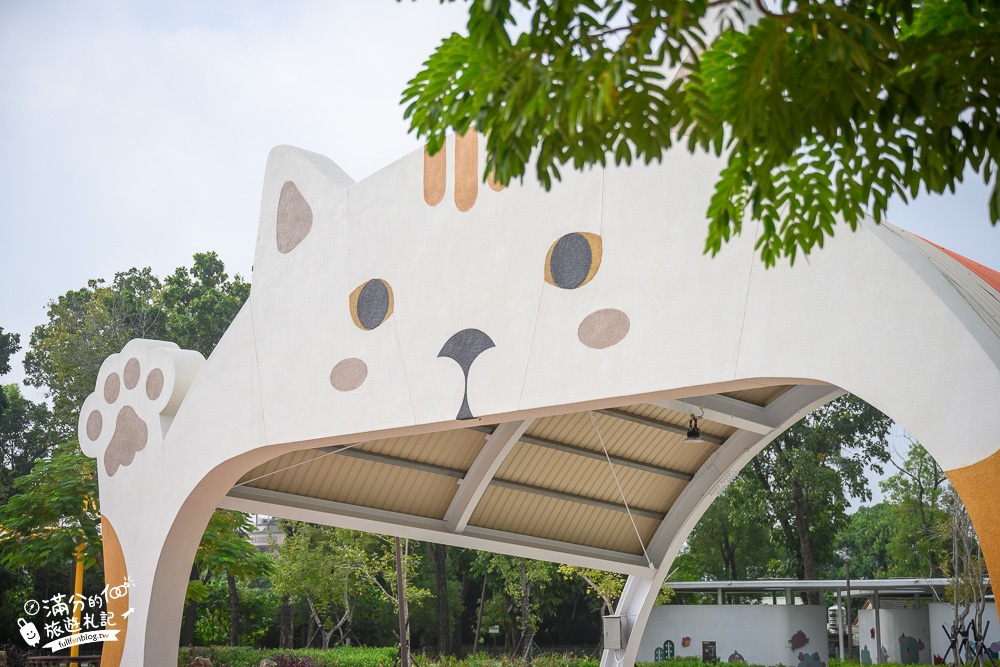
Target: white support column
[
  {"x": 472, "y": 487},
  {"x": 640, "y": 594},
  {"x": 878, "y": 628},
  {"x": 840, "y": 626}
]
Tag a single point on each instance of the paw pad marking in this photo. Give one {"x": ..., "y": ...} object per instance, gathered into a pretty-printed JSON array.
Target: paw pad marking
[
  {"x": 131, "y": 373},
  {"x": 137, "y": 394},
  {"x": 111, "y": 388},
  {"x": 131, "y": 436}
]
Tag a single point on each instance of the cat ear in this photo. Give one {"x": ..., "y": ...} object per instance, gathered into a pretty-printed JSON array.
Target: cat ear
[{"x": 301, "y": 189}]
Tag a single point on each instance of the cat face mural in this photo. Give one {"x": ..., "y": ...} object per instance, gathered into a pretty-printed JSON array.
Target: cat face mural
[{"x": 395, "y": 330}]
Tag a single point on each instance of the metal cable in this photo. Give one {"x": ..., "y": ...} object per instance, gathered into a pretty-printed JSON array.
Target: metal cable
[
  {"x": 295, "y": 465},
  {"x": 620, "y": 491}
]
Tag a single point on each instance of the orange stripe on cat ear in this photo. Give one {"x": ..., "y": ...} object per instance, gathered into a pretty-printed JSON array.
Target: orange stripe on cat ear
[
  {"x": 435, "y": 175},
  {"x": 466, "y": 169},
  {"x": 491, "y": 181}
]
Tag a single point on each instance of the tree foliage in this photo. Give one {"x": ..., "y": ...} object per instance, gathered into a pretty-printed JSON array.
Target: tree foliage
[
  {"x": 192, "y": 307},
  {"x": 521, "y": 597},
  {"x": 731, "y": 542},
  {"x": 225, "y": 553},
  {"x": 867, "y": 538},
  {"x": 219, "y": 553},
  {"x": 58, "y": 499},
  {"x": 199, "y": 303},
  {"x": 803, "y": 479},
  {"x": 965, "y": 565},
  {"x": 823, "y": 109},
  {"x": 10, "y": 343},
  {"x": 84, "y": 327},
  {"x": 54, "y": 510},
  {"x": 333, "y": 569},
  {"x": 24, "y": 436},
  {"x": 918, "y": 495}
]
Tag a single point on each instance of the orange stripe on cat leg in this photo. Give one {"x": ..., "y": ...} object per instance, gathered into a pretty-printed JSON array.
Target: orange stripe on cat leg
[
  {"x": 976, "y": 486},
  {"x": 466, "y": 170},
  {"x": 115, "y": 574},
  {"x": 435, "y": 175}
]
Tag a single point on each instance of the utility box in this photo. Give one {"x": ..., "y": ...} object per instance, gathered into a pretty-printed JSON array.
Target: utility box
[{"x": 614, "y": 633}]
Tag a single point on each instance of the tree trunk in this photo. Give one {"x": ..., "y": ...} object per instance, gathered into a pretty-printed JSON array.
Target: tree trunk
[
  {"x": 286, "y": 623},
  {"x": 190, "y": 614},
  {"x": 479, "y": 617},
  {"x": 438, "y": 556},
  {"x": 456, "y": 637},
  {"x": 528, "y": 634},
  {"x": 802, "y": 521},
  {"x": 786, "y": 528},
  {"x": 728, "y": 550},
  {"x": 404, "y": 646},
  {"x": 234, "y": 610}
]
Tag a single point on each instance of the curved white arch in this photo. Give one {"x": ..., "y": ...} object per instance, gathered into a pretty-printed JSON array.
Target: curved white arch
[
  {"x": 640, "y": 593},
  {"x": 877, "y": 313}
]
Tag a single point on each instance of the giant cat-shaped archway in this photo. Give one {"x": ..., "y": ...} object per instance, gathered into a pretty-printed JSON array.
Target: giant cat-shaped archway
[{"x": 472, "y": 337}]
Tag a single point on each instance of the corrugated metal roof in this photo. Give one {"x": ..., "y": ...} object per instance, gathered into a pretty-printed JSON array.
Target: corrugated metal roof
[
  {"x": 567, "y": 473},
  {"x": 761, "y": 396},
  {"x": 357, "y": 482},
  {"x": 576, "y": 523},
  {"x": 555, "y": 484},
  {"x": 452, "y": 449}
]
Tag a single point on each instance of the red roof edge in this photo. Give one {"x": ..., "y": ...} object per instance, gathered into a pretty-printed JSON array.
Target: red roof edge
[{"x": 989, "y": 276}]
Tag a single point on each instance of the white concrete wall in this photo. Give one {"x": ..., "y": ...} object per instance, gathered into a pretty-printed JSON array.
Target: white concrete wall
[
  {"x": 944, "y": 614},
  {"x": 914, "y": 623},
  {"x": 762, "y": 634}
]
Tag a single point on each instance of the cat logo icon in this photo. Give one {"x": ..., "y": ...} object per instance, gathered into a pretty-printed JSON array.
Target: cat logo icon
[{"x": 29, "y": 632}]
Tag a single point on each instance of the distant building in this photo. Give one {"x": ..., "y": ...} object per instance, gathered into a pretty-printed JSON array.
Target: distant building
[
  {"x": 900, "y": 621},
  {"x": 267, "y": 535}
]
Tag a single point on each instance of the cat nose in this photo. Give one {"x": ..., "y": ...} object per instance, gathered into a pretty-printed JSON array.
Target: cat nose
[{"x": 464, "y": 348}]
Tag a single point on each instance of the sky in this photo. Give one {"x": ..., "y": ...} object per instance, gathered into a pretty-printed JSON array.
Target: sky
[{"x": 135, "y": 134}]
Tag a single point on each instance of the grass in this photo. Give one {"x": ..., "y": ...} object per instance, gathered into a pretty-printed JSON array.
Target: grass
[
  {"x": 242, "y": 656},
  {"x": 358, "y": 656}
]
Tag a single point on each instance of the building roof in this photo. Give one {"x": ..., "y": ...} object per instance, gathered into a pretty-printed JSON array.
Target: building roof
[{"x": 859, "y": 587}]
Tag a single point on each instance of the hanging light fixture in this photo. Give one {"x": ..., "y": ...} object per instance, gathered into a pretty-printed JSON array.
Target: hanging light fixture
[{"x": 694, "y": 433}]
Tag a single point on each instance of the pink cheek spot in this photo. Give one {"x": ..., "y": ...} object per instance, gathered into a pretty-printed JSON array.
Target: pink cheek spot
[
  {"x": 603, "y": 328},
  {"x": 348, "y": 374}
]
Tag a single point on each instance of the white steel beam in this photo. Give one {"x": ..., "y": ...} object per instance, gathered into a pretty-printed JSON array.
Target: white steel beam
[
  {"x": 723, "y": 410},
  {"x": 472, "y": 487},
  {"x": 656, "y": 423},
  {"x": 342, "y": 515}
]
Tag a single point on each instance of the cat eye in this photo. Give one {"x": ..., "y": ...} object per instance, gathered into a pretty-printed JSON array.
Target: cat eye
[
  {"x": 573, "y": 260},
  {"x": 371, "y": 304}
]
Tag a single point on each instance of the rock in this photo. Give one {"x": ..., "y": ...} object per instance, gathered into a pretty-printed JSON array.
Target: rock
[
  {"x": 200, "y": 662},
  {"x": 267, "y": 662}
]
